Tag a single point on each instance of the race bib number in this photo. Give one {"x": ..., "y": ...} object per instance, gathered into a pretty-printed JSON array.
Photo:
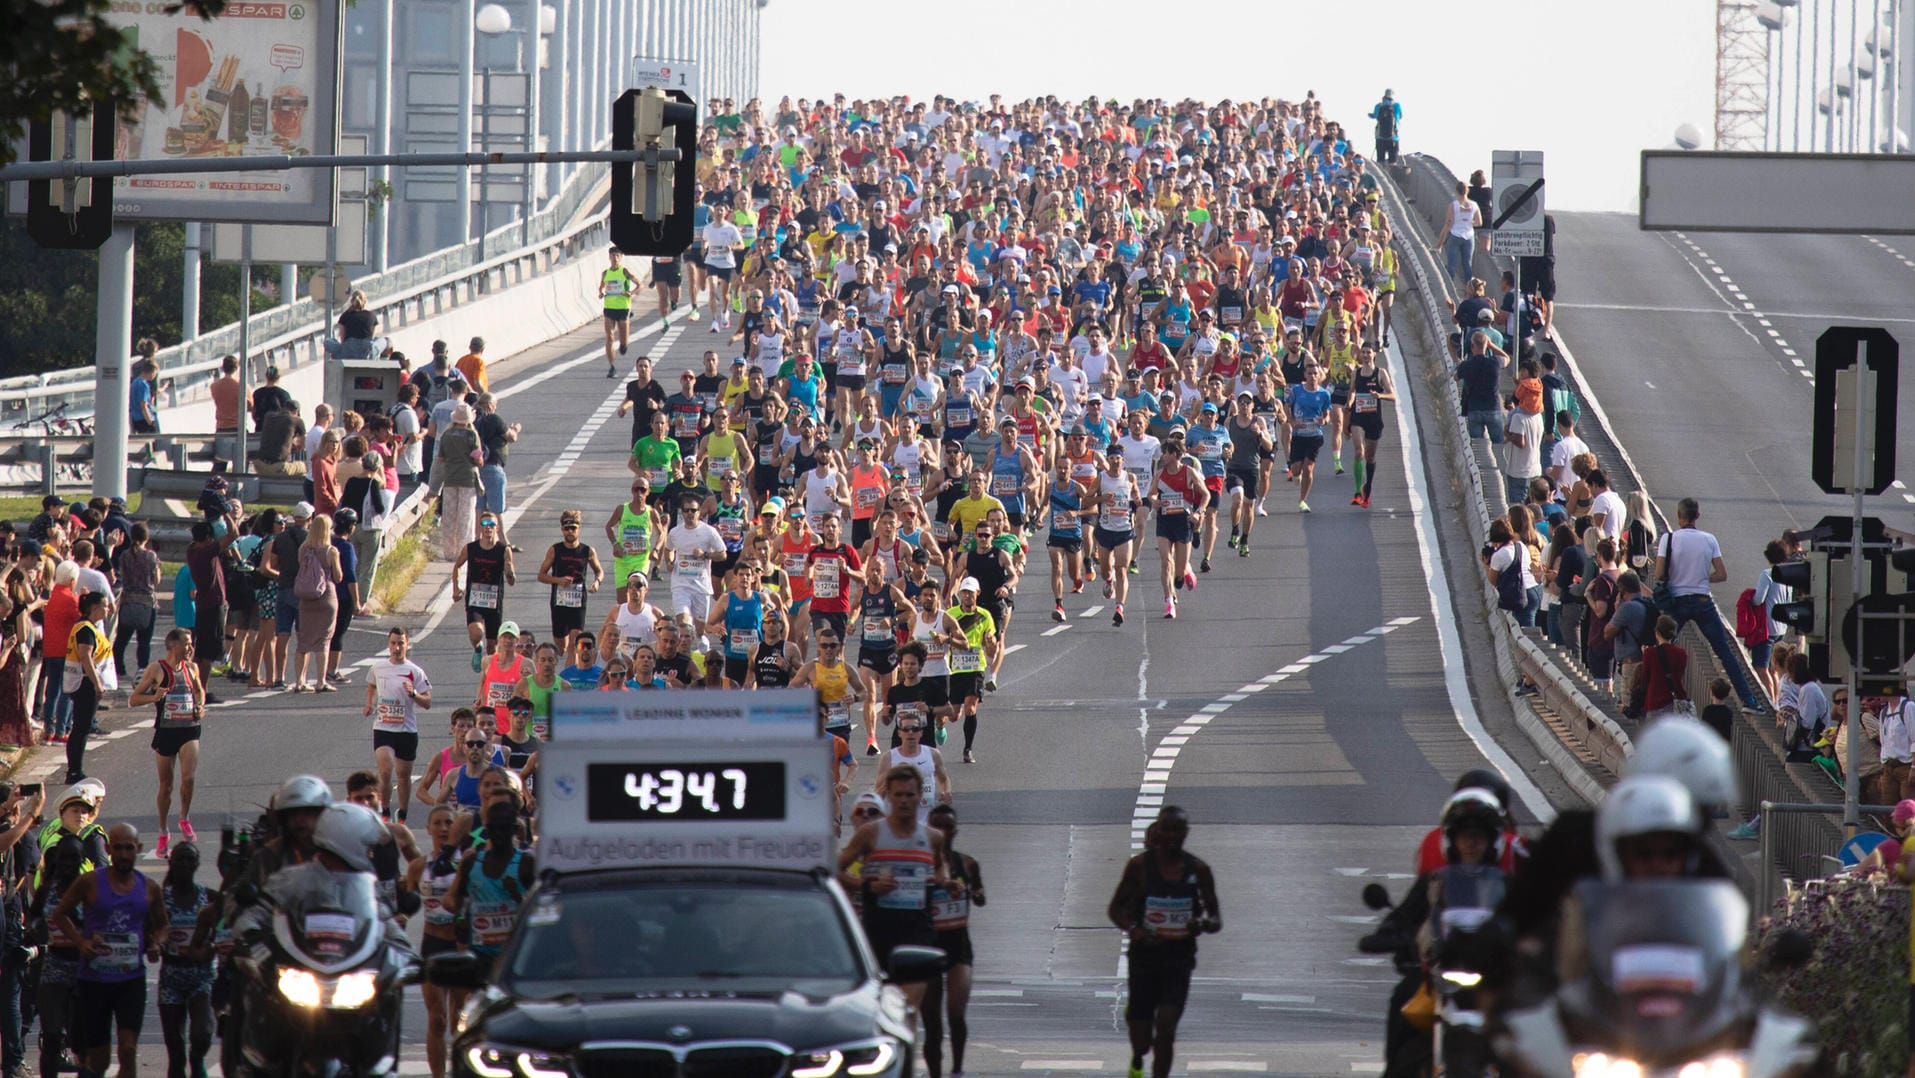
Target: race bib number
[
  {"x": 941, "y": 531},
  {"x": 795, "y": 564},
  {"x": 741, "y": 641},
  {"x": 837, "y": 715},
  {"x": 691, "y": 571},
  {"x": 482, "y": 597},
  {"x": 868, "y": 497},
  {"x": 178, "y": 938},
  {"x": 877, "y": 630},
  {"x": 967, "y": 661},
  {"x": 957, "y": 417},
  {"x": 1233, "y": 315},
  {"x": 949, "y": 912},
  {"x": 1064, "y": 520},
  {"x": 181, "y": 709},
  {"x": 634, "y": 541},
  {"x": 1364, "y": 403},
  {"x": 498, "y": 693},
  {"x": 1004, "y": 485},
  {"x": 572, "y": 596},
  {"x": 722, "y": 466},
  {"x": 1211, "y": 450},
  {"x": 826, "y": 585},
  {"x": 685, "y": 424},
  {"x": 614, "y": 286},
  {"x": 1172, "y": 502},
  {"x": 1167, "y": 918},
  {"x": 391, "y": 711},
  {"x": 909, "y": 893},
  {"x": 1385, "y": 279},
  {"x": 122, "y": 954},
  {"x": 894, "y": 375},
  {"x": 492, "y": 923},
  {"x": 850, "y": 363}
]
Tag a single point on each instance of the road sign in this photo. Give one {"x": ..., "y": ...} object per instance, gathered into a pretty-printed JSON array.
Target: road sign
[
  {"x": 1516, "y": 203},
  {"x": 1854, "y": 193},
  {"x": 664, "y": 74},
  {"x": 1855, "y": 372}
]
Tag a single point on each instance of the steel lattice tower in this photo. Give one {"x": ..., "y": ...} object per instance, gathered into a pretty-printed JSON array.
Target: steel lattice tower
[{"x": 1742, "y": 77}]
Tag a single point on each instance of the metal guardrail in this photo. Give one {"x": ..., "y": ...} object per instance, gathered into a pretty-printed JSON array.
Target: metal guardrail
[
  {"x": 1594, "y": 736},
  {"x": 292, "y": 335},
  {"x": 1594, "y": 718}
]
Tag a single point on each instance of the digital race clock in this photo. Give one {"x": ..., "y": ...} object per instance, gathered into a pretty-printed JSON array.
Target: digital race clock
[{"x": 685, "y": 790}]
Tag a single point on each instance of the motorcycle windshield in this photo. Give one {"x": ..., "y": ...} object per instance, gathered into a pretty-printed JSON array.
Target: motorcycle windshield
[
  {"x": 1664, "y": 962},
  {"x": 1471, "y": 894},
  {"x": 328, "y": 915}
]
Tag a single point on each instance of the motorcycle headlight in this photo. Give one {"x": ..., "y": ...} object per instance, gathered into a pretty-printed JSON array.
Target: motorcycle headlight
[
  {"x": 501, "y": 1061},
  {"x": 1462, "y": 978},
  {"x": 1598, "y": 1065},
  {"x": 355, "y": 990},
  {"x": 862, "y": 1059},
  {"x": 300, "y": 987},
  {"x": 1716, "y": 1067}
]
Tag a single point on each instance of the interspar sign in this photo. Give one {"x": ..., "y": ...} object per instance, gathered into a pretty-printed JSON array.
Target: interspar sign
[{"x": 262, "y": 79}]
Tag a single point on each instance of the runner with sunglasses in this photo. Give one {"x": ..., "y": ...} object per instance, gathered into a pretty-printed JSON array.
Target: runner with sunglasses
[{"x": 572, "y": 569}]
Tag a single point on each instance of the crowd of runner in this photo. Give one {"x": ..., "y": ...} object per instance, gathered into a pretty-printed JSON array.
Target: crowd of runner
[{"x": 959, "y": 355}]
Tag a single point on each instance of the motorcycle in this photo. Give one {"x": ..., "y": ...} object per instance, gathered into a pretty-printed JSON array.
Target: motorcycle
[
  {"x": 1655, "y": 988},
  {"x": 321, "y": 971},
  {"x": 1463, "y": 943}
]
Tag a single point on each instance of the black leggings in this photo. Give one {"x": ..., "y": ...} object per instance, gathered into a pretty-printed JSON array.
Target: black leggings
[
  {"x": 174, "y": 1019},
  {"x": 341, "y": 624},
  {"x": 970, "y": 730},
  {"x": 86, "y": 702},
  {"x": 56, "y": 1021}
]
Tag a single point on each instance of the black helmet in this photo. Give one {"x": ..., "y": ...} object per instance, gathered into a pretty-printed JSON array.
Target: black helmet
[
  {"x": 1484, "y": 778},
  {"x": 344, "y": 518}
]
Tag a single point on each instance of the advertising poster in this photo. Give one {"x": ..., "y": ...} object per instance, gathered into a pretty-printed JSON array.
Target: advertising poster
[{"x": 262, "y": 79}]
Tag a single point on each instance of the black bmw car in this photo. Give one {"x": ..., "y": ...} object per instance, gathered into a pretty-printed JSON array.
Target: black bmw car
[{"x": 685, "y": 973}]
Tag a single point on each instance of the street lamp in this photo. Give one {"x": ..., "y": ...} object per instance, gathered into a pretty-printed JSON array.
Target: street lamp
[
  {"x": 1688, "y": 137},
  {"x": 494, "y": 20}
]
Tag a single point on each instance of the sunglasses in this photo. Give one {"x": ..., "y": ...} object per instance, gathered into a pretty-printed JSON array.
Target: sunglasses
[
  {"x": 910, "y": 729},
  {"x": 872, "y": 813},
  {"x": 568, "y": 527},
  {"x": 827, "y": 645},
  {"x": 480, "y": 744}
]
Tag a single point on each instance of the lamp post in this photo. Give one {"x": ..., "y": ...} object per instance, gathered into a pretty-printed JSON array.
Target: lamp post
[{"x": 494, "y": 20}]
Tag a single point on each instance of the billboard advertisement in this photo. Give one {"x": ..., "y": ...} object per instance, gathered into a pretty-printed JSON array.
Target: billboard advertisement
[{"x": 261, "y": 79}]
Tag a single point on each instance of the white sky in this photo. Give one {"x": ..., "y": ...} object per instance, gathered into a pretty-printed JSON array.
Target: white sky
[{"x": 1589, "y": 84}]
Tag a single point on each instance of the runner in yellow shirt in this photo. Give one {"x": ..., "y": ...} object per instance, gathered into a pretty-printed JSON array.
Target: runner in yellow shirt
[{"x": 615, "y": 288}]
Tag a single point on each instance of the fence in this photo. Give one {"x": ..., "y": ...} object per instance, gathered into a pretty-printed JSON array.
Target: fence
[{"x": 1587, "y": 721}]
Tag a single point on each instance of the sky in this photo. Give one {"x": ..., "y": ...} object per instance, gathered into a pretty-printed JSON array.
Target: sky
[{"x": 1590, "y": 85}]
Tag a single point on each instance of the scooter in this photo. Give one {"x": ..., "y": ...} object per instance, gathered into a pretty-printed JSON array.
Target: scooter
[{"x": 1655, "y": 988}]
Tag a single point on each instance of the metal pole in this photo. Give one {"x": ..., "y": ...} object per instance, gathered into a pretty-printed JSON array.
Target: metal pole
[
  {"x": 1815, "y": 69},
  {"x": 531, "y": 120},
  {"x": 1835, "y": 98},
  {"x": 1765, "y": 820},
  {"x": 485, "y": 146},
  {"x": 332, "y": 272},
  {"x": 382, "y": 141},
  {"x": 1797, "y": 139},
  {"x": 113, "y": 362},
  {"x": 189, "y": 285},
  {"x": 1855, "y": 83},
  {"x": 468, "y": 41},
  {"x": 1895, "y": 76},
  {"x": 1875, "y": 84},
  {"x": 245, "y": 341},
  {"x": 1852, "y": 767},
  {"x": 289, "y": 283}
]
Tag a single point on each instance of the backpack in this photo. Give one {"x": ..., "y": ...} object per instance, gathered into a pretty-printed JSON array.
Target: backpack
[
  {"x": 1751, "y": 621},
  {"x": 1558, "y": 397},
  {"x": 1637, "y": 540},
  {"x": 313, "y": 580},
  {"x": 241, "y": 591},
  {"x": 1510, "y": 593},
  {"x": 1650, "y": 613}
]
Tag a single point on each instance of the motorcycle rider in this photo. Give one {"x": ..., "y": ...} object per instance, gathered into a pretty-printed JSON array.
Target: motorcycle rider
[
  {"x": 295, "y": 812},
  {"x": 1472, "y": 830},
  {"x": 1510, "y": 848}
]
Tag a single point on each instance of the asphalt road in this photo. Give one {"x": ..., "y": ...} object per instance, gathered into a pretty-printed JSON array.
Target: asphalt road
[
  {"x": 1300, "y": 710},
  {"x": 1697, "y": 347}
]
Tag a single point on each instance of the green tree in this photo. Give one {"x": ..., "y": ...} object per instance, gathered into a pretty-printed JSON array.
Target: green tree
[{"x": 61, "y": 55}]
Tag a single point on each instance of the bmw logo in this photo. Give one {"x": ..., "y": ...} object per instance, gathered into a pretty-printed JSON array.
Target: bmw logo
[
  {"x": 679, "y": 1033},
  {"x": 810, "y": 786},
  {"x": 565, "y": 786}
]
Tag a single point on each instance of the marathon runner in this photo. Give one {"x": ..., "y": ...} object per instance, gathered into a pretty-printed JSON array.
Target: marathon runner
[
  {"x": 1067, "y": 507},
  {"x": 881, "y": 607},
  {"x": 1308, "y": 404},
  {"x": 1370, "y": 385},
  {"x": 901, "y": 859},
  {"x": 634, "y": 621},
  {"x": 1117, "y": 501},
  {"x": 739, "y": 620},
  {"x": 913, "y": 750},
  {"x": 690, "y": 551},
  {"x": 1250, "y": 441},
  {"x": 832, "y": 679},
  {"x": 172, "y": 685},
  {"x": 951, "y": 907},
  {"x": 1177, "y": 495},
  {"x": 1208, "y": 442},
  {"x": 1164, "y": 901},
  {"x": 566, "y": 567},
  {"x": 616, "y": 286},
  {"x": 487, "y": 565},
  {"x": 666, "y": 280},
  {"x": 396, "y": 687},
  {"x": 979, "y": 637}
]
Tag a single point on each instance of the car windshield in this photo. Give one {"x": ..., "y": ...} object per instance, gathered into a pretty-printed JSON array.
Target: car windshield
[{"x": 686, "y": 936}]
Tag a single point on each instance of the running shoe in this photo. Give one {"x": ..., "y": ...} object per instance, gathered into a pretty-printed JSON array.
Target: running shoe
[
  {"x": 1235, "y": 534},
  {"x": 1077, "y": 586},
  {"x": 1057, "y": 612},
  {"x": 1136, "y": 1072},
  {"x": 1115, "y": 619},
  {"x": 1243, "y": 549},
  {"x": 871, "y": 750},
  {"x": 1190, "y": 580},
  {"x": 1204, "y": 566},
  {"x": 220, "y": 669},
  {"x": 714, "y": 326},
  {"x": 1109, "y": 589},
  {"x": 611, "y": 372},
  {"x": 1170, "y": 608},
  {"x": 1261, "y": 511},
  {"x": 990, "y": 683},
  {"x": 1746, "y": 832},
  {"x": 694, "y": 315},
  {"x": 970, "y": 757},
  {"x": 1357, "y": 500},
  {"x": 663, "y": 323},
  {"x": 159, "y": 850},
  {"x": 1339, "y": 463},
  {"x": 1303, "y": 507},
  {"x": 621, "y": 349},
  {"x": 1133, "y": 568},
  {"x": 186, "y": 831},
  {"x": 478, "y": 659},
  {"x": 337, "y": 678}
]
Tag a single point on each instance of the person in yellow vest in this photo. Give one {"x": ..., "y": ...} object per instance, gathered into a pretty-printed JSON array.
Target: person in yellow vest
[
  {"x": 89, "y": 675},
  {"x": 615, "y": 288}
]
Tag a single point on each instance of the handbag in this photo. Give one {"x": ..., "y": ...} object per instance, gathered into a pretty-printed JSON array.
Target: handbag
[
  {"x": 1677, "y": 704},
  {"x": 1420, "y": 1009}
]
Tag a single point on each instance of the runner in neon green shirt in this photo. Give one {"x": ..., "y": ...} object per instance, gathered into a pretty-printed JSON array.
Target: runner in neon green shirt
[{"x": 615, "y": 288}]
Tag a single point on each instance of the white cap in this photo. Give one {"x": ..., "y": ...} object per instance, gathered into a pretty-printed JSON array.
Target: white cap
[{"x": 969, "y": 583}]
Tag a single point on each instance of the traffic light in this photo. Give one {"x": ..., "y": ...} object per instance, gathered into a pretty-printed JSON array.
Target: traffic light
[
  {"x": 652, "y": 201},
  {"x": 1884, "y": 643},
  {"x": 1807, "y": 609},
  {"x": 76, "y": 216}
]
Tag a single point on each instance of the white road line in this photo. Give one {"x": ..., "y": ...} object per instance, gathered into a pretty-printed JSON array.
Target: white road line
[
  {"x": 1062, "y": 1064},
  {"x": 1054, "y": 630}
]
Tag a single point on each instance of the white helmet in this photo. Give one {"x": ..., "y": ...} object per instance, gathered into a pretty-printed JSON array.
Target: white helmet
[
  {"x": 349, "y": 832},
  {"x": 91, "y": 792},
  {"x": 302, "y": 792},
  {"x": 1642, "y": 805},
  {"x": 1685, "y": 749}
]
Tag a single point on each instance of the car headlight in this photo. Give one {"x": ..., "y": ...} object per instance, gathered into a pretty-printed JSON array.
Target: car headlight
[
  {"x": 355, "y": 989},
  {"x": 1716, "y": 1067},
  {"x": 300, "y": 987},
  {"x": 501, "y": 1061},
  {"x": 1598, "y": 1065},
  {"x": 862, "y": 1059}
]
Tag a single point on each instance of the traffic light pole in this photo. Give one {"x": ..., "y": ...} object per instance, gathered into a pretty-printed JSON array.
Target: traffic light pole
[
  {"x": 1864, "y": 383},
  {"x": 79, "y": 169}
]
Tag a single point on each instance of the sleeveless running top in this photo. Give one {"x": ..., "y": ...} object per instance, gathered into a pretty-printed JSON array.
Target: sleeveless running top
[
  {"x": 484, "y": 576},
  {"x": 1114, "y": 514},
  {"x": 744, "y": 624},
  {"x": 574, "y": 561},
  {"x": 119, "y": 922},
  {"x": 494, "y": 904},
  {"x": 635, "y": 628},
  {"x": 906, "y": 859}
]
